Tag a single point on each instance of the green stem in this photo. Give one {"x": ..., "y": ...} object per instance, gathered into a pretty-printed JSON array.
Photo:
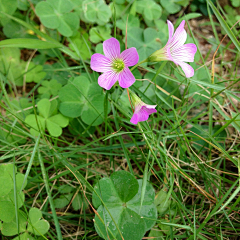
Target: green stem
[
  {"x": 143, "y": 61},
  {"x": 46, "y": 181}
]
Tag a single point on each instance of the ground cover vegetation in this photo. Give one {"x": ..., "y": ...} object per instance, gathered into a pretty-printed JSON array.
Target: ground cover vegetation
[{"x": 119, "y": 119}]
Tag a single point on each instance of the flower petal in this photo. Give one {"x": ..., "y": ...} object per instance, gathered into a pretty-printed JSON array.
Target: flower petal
[
  {"x": 100, "y": 63},
  {"x": 179, "y": 37},
  {"x": 130, "y": 56},
  {"x": 143, "y": 114},
  {"x": 134, "y": 119},
  {"x": 107, "y": 79},
  {"x": 170, "y": 31},
  {"x": 152, "y": 110},
  {"x": 185, "y": 53},
  {"x": 188, "y": 70},
  {"x": 126, "y": 78},
  {"x": 111, "y": 48}
]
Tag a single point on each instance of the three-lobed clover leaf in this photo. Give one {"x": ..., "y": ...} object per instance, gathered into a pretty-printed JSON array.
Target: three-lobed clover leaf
[
  {"x": 49, "y": 88},
  {"x": 9, "y": 7},
  {"x": 129, "y": 22},
  {"x": 118, "y": 9},
  {"x": 34, "y": 73},
  {"x": 11, "y": 228},
  {"x": 145, "y": 41},
  {"x": 56, "y": 14},
  {"x": 96, "y": 11},
  {"x": 14, "y": 29},
  {"x": 122, "y": 213},
  {"x": 37, "y": 225},
  {"x": 150, "y": 9},
  {"x": 171, "y": 6},
  {"x": 11, "y": 65},
  {"x": 100, "y": 33},
  {"x": 7, "y": 207},
  {"x": 80, "y": 97},
  {"x": 47, "y": 118},
  {"x": 82, "y": 44}
]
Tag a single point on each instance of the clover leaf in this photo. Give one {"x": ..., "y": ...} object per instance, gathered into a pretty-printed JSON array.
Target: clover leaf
[
  {"x": 129, "y": 22},
  {"x": 54, "y": 71},
  {"x": 171, "y": 6},
  {"x": 11, "y": 228},
  {"x": 11, "y": 65},
  {"x": 9, "y": 7},
  {"x": 13, "y": 29},
  {"x": 47, "y": 118},
  {"x": 77, "y": 127},
  {"x": 150, "y": 9},
  {"x": 96, "y": 11},
  {"x": 37, "y": 225},
  {"x": 7, "y": 207},
  {"x": 57, "y": 15},
  {"x": 235, "y": 3},
  {"x": 34, "y": 73},
  {"x": 119, "y": 8},
  {"x": 82, "y": 44},
  {"x": 100, "y": 33},
  {"x": 23, "y": 5},
  {"x": 145, "y": 41},
  {"x": 24, "y": 236},
  {"x": 124, "y": 205},
  {"x": 49, "y": 88},
  {"x": 80, "y": 97}
]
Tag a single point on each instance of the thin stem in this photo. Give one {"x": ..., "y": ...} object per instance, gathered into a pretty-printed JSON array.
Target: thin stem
[
  {"x": 138, "y": 64},
  {"x": 130, "y": 100}
]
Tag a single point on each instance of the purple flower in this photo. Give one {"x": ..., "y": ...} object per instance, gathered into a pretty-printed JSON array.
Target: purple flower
[
  {"x": 176, "y": 51},
  {"x": 114, "y": 64},
  {"x": 141, "y": 109}
]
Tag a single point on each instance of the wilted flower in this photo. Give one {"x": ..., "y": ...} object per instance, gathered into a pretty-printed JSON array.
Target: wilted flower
[
  {"x": 114, "y": 64},
  {"x": 141, "y": 109},
  {"x": 176, "y": 51}
]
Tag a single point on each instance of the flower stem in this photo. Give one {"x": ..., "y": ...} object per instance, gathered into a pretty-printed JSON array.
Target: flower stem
[
  {"x": 130, "y": 100},
  {"x": 143, "y": 61}
]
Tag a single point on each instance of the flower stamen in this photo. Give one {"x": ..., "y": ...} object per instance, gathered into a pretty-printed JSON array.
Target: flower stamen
[{"x": 118, "y": 65}]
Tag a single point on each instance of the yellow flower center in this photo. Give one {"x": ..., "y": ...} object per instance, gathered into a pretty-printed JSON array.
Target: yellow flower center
[{"x": 118, "y": 65}]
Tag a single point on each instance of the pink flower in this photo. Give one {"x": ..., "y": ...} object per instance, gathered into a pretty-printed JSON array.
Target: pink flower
[
  {"x": 114, "y": 64},
  {"x": 141, "y": 109},
  {"x": 176, "y": 51}
]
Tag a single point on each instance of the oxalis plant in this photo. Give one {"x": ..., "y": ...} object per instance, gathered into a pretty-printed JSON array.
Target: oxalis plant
[
  {"x": 14, "y": 220},
  {"x": 125, "y": 206}
]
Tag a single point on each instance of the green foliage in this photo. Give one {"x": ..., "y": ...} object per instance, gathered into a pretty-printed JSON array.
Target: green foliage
[
  {"x": 145, "y": 41},
  {"x": 96, "y": 11},
  {"x": 77, "y": 127},
  {"x": 235, "y": 3},
  {"x": 67, "y": 194},
  {"x": 37, "y": 225},
  {"x": 55, "y": 71},
  {"x": 11, "y": 65},
  {"x": 34, "y": 73},
  {"x": 129, "y": 21},
  {"x": 27, "y": 224},
  {"x": 122, "y": 206},
  {"x": 100, "y": 33},
  {"x": 9, "y": 7},
  {"x": 13, "y": 29},
  {"x": 80, "y": 97},
  {"x": 171, "y": 6},
  {"x": 57, "y": 15},
  {"x": 48, "y": 118},
  {"x": 23, "y": 5},
  {"x": 149, "y": 9},
  {"x": 80, "y": 41},
  {"x": 49, "y": 88}
]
